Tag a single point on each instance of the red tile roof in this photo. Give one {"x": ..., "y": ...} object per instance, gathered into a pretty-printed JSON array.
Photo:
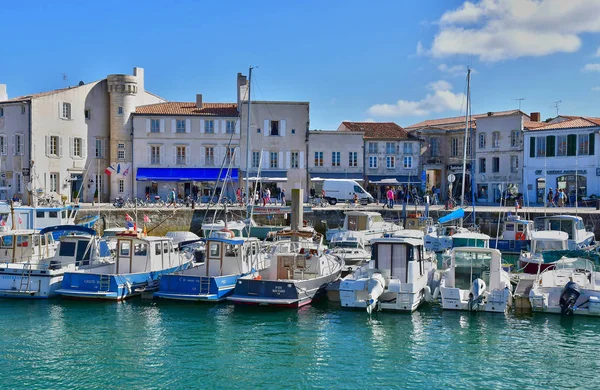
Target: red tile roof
[
  {"x": 189, "y": 108},
  {"x": 573, "y": 123},
  {"x": 444, "y": 122},
  {"x": 379, "y": 130}
]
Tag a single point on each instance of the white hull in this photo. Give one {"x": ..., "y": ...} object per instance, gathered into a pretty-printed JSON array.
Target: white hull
[
  {"x": 14, "y": 283},
  {"x": 496, "y": 301}
]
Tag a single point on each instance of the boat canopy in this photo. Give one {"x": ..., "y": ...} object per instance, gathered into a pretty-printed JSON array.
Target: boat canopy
[
  {"x": 68, "y": 228},
  {"x": 456, "y": 214}
]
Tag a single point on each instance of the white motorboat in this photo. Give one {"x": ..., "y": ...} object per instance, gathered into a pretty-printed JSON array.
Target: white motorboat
[
  {"x": 440, "y": 238},
  {"x": 25, "y": 245},
  {"x": 237, "y": 227},
  {"x": 543, "y": 244},
  {"x": 350, "y": 247},
  {"x": 299, "y": 269},
  {"x": 398, "y": 277},
  {"x": 474, "y": 280},
  {"x": 571, "y": 287},
  {"x": 368, "y": 223},
  {"x": 579, "y": 237},
  {"x": 41, "y": 278}
]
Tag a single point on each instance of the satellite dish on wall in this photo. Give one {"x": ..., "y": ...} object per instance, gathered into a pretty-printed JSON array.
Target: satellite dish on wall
[{"x": 81, "y": 83}]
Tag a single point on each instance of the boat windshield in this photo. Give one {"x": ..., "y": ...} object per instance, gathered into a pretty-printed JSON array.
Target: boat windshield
[
  {"x": 467, "y": 241},
  {"x": 562, "y": 225},
  {"x": 471, "y": 266},
  {"x": 548, "y": 245},
  {"x": 344, "y": 244},
  {"x": 575, "y": 263}
]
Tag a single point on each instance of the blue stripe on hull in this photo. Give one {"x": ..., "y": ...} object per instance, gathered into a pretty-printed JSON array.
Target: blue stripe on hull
[
  {"x": 87, "y": 286},
  {"x": 510, "y": 246},
  {"x": 196, "y": 288}
]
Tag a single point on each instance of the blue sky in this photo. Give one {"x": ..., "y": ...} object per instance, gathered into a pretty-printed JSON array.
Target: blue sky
[{"x": 401, "y": 61}]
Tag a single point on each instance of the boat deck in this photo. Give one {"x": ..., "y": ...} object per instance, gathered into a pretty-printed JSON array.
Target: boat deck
[{"x": 522, "y": 290}]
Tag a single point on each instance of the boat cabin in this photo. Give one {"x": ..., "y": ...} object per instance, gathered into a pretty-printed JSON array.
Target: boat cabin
[
  {"x": 419, "y": 223},
  {"x": 517, "y": 229},
  {"x": 361, "y": 220},
  {"x": 398, "y": 258},
  {"x": 347, "y": 239},
  {"x": 24, "y": 245},
  {"x": 549, "y": 241},
  {"x": 470, "y": 239},
  {"x": 232, "y": 256},
  {"x": 79, "y": 250},
  {"x": 137, "y": 254},
  {"x": 468, "y": 264},
  {"x": 571, "y": 224},
  {"x": 237, "y": 227},
  {"x": 37, "y": 218}
]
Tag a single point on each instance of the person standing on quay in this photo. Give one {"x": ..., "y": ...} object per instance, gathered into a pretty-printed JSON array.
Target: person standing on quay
[
  {"x": 282, "y": 197},
  {"x": 550, "y": 199}
]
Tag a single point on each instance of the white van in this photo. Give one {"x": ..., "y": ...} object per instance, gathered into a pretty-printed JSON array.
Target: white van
[{"x": 341, "y": 190}]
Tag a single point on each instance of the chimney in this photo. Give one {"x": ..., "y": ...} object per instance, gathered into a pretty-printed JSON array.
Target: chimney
[
  {"x": 199, "y": 100},
  {"x": 242, "y": 83},
  {"x": 535, "y": 116},
  {"x": 3, "y": 95}
]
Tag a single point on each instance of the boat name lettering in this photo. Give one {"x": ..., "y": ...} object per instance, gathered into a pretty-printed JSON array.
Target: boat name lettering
[
  {"x": 90, "y": 281},
  {"x": 278, "y": 290}
]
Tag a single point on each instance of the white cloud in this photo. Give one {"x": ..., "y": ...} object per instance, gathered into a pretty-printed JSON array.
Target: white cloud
[
  {"x": 495, "y": 30},
  {"x": 440, "y": 100},
  {"x": 598, "y": 52},
  {"x": 369, "y": 120},
  {"x": 591, "y": 68},
  {"x": 596, "y": 89},
  {"x": 452, "y": 70},
  {"x": 420, "y": 48}
]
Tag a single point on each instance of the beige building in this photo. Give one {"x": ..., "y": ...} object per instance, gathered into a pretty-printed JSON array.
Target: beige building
[
  {"x": 443, "y": 148},
  {"x": 277, "y": 141},
  {"x": 185, "y": 144},
  {"x": 61, "y": 142},
  {"x": 335, "y": 155},
  {"x": 391, "y": 154}
]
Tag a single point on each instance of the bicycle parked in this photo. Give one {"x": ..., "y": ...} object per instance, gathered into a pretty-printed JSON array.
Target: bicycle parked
[{"x": 318, "y": 202}]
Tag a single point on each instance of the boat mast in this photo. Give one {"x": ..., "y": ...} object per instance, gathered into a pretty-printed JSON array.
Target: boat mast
[
  {"x": 248, "y": 157},
  {"x": 464, "y": 170}
]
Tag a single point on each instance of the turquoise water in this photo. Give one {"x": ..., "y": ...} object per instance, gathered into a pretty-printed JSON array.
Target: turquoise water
[{"x": 140, "y": 344}]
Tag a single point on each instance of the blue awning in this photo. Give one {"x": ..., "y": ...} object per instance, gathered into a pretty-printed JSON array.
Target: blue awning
[
  {"x": 337, "y": 175},
  {"x": 402, "y": 179},
  {"x": 266, "y": 173},
  {"x": 186, "y": 174}
]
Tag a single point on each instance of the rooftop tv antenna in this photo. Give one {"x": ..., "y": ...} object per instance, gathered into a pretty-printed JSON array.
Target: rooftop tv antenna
[
  {"x": 64, "y": 77},
  {"x": 556, "y": 103},
  {"x": 520, "y": 100}
]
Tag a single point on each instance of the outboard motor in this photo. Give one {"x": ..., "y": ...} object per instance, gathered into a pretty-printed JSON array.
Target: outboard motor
[
  {"x": 476, "y": 294},
  {"x": 568, "y": 297},
  {"x": 375, "y": 287}
]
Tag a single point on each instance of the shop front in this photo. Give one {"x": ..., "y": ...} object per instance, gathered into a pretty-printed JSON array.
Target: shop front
[
  {"x": 576, "y": 184},
  {"x": 202, "y": 182}
]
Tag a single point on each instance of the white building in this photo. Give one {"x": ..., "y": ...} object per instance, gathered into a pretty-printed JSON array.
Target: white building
[
  {"x": 277, "y": 143},
  {"x": 185, "y": 144},
  {"x": 561, "y": 154},
  {"x": 499, "y": 154},
  {"x": 335, "y": 155},
  {"x": 62, "y": 141},
  {"x": 390, "y": 153}
]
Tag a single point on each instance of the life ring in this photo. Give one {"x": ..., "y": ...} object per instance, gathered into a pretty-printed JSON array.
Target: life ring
[
  {"x": 520, "y": 236},
  {"x": 229, "y": 232}
]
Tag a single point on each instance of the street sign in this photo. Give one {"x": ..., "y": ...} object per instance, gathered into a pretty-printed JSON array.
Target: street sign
[{"x": 451, "y": 178}]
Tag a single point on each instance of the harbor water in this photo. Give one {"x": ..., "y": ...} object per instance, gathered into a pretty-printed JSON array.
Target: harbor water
[{"x": 146, "y": 344}]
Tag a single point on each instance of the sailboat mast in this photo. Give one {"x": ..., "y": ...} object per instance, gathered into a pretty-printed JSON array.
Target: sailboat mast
[
  {"x": 464, "y": 170},
  {"x": 248, "y": 157}
]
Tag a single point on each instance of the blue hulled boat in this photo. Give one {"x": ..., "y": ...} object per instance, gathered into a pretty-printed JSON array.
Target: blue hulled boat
[
  {"x": 214, "y": 278},
  {"x": 139, "y": 263}
]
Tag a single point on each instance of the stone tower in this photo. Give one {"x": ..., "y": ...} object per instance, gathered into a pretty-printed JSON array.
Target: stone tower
[{"x": 123, "y": 90}]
